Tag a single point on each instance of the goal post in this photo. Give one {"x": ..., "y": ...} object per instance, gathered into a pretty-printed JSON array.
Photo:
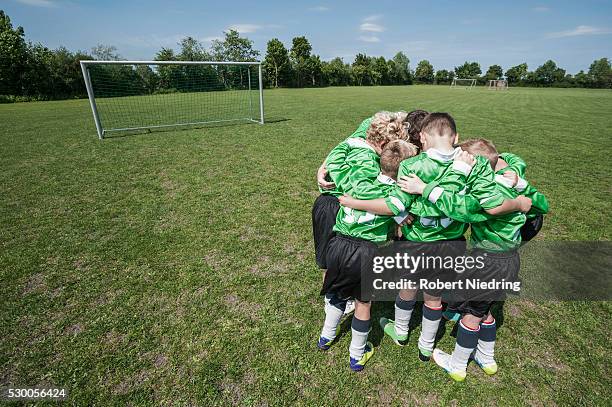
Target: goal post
[
  {"x": 140, "y": 95},
  {"x": 466, "y": 83},
  {"x": 498, "y": 84}
]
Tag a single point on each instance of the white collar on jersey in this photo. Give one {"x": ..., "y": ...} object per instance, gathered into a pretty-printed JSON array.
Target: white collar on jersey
[
  {"x": 385, "y": 179},
  {"x": 438, "y": 155},
  {"x": 357, "y": 142}
]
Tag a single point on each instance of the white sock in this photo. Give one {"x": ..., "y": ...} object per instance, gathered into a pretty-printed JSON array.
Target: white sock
[
  {"x": 485, "y": 351},
  {"x": 429, "y": 327},
  {"x": 334, "y": 308},
  {"x": 403, "y": 312},
  {"x": 466, "y": 343},
  {"x": 359, "y": 337}
]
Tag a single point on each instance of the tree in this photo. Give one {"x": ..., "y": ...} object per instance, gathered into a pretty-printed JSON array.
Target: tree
[
  {"x": 583, "y": 80},
  {"x": 469, "y": 70},
  {"x": 314, "y": 70},
  {"x": 494, "y": 72},
  {"x": 276, "y": 64},
  {"x": 336, "y": 72},
  {"x": 600, "y": 73},
  {"x": 233, "y": 48},
  {"x": 300, "y": 54},
  {"x": 517, "y": 73},
  {"x": 105, "y": 53},
  {"x": 169, "y": 75},
  {"x": 424, "y": 72},
  {"x": 401, "y": 69},
  {"x": 549, "y": 73},
  {"x": 362, "y": 74},
  {"x": 444, "y": 77},
  {"x": 380, "y": 71},
  {"x": 13, "y": 56}
]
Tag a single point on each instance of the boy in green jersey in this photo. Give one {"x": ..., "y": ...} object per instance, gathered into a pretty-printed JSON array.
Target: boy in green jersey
[
  {"x": 494, "y": 240},
  {"x": 356, "y": 235},
  {"x": 325, "y": 208},
  {"x": 510, "y": 170},
  {"x": 433, "y": 233}
]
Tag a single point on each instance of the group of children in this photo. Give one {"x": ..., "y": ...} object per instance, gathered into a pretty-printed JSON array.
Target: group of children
[{"x": 408, "y": 171}]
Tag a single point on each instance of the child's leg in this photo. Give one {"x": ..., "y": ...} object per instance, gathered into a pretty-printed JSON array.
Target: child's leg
[
  {"x": 432, "y": 313},
  {"x": 467, "y": 339},
  {"x": 334, "y": 308},
  {"x": 360, "y": 351},
  {"x": 485, "y": 351},
  {"x": 404, "y": 305}
]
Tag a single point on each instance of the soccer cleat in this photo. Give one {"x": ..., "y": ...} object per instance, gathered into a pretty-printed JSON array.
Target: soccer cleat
[
  {"x": 424, "y": 354},
  {"x": 489, "y": 368},
  {"x": 451, "y": 316},
  {"x": 443, "y": 359},
  {"x": 388, "y": 326},
  {"x": 358, "y": 365},
  {"x": 324, "y": 343},
  {"x": 350, "y": 308}
]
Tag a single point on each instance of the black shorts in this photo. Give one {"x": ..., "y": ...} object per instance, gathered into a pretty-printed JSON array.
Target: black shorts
[
  {"x": 324, "y": 212},
  {"x": 531, "y": 228},
  {"x": 346, "y": 258},
  {"x": 435, "y": 270},
  {"x": 497, "y": 266}
]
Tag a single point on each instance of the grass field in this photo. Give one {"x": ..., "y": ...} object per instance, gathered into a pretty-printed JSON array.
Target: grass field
[{"x": 177, "y": 266}]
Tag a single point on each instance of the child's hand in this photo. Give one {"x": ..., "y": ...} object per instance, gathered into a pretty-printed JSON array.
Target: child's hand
[
  {"x": 411, "y": 184},
  {"x": 466, "y": 158},
  {"x": 323, "y": 183},
  {"x": 347, "y": 201},
  {"x": 524, "y": 203},
  {"x": 512, "y": 176}
]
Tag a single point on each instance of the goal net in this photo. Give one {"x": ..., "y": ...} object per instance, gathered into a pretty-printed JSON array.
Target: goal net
[
  {"x": 465, "y": 83},
  {"x": 498, "y": 84},
  {"x": 135, "y": 95}
]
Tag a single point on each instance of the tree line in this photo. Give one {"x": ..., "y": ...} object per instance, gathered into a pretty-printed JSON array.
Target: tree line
[{"x": 31, "y": 71}]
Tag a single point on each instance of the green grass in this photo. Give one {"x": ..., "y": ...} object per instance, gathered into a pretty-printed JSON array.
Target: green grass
[{"x": 177, "y": 266}]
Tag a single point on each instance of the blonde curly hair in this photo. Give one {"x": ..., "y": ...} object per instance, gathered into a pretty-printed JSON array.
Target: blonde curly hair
[{"x": 388, "y": 126}]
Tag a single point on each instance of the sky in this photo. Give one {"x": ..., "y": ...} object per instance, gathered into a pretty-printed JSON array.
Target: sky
[{"x": 447, "y": 33}]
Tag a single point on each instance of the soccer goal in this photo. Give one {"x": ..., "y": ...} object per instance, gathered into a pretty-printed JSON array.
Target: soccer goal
[
  {"x": 139, "y": 95},
  {"x": 498, "y": 84},
  {"x": 466, "y": 83}
]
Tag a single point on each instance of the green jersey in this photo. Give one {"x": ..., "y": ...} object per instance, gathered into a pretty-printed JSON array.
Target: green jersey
[
  {"x": 337, "y": 157},
  {"x": 356, "y": 176},
  {"x": 431, "y": 223},
  {"x": 539, "y": 203},
  {"x": 366, "y": 225},
  {"x": 491, "y": 233}
]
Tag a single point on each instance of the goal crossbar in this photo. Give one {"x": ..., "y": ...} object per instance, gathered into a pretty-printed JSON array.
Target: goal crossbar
[{"x": 131, "y": 95}]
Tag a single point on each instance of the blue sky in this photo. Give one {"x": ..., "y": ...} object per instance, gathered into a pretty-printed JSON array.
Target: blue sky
[{"x": 447, "y": 33}]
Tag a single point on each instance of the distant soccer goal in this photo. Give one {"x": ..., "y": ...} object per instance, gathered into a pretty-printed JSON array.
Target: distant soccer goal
[
  {"x": 136, "y": 95},
  {"x": 465, "y": 83},
  {"x": 498, "y": 84}
]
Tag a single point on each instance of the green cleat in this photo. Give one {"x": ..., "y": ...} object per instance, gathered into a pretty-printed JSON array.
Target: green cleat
[
  {"x": 358, "y": 365},
  {"x": 388, "y": 326},
  {"x": 424, "y": 354},
  {"x": 442, "y": 359},
  {"x": 488, "y": 368}
]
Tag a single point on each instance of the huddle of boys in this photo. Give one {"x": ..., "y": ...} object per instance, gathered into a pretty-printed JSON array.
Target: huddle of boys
[{"x": 445, "y": 189}]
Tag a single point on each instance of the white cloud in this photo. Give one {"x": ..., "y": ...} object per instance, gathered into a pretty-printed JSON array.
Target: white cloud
[
  {"x": 578, "y": 31},
  {"x": 374, "y": 17},
  {"x": 319, "y": 8},
  {"x": 371, "y": 27},
  {"x": 369, "y": 38},
  {"x": 245, "y": 28},
  {"x": 37, "y": 3},
  {"x": 541, "y": 9}
]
